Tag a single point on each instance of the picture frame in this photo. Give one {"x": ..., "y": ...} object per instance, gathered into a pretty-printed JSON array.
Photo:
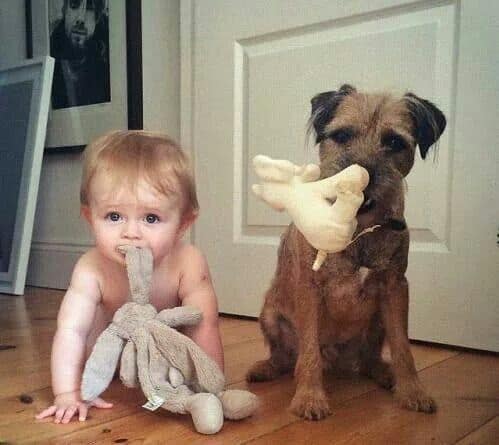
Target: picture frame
[
  {"x": 24, "y": 107},
  {"x": 73, "y": 127}
]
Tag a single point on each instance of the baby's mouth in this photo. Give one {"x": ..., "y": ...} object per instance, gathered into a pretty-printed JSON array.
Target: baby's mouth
[
  {"x": 121, "y": 251},
  {"x": 123, "y": 248}
]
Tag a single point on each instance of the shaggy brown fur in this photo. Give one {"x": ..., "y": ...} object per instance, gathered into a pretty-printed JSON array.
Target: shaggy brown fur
[{"x": 313, "y": 321}]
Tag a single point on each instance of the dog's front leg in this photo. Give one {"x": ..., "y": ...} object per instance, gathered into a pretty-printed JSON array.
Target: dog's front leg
[
  {"x": 310, "y": 399},
  {"x": 394, "y": 303}
]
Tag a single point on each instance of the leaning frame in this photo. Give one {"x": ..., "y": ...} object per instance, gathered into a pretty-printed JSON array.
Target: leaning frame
[{"x": 35, "y": 77}]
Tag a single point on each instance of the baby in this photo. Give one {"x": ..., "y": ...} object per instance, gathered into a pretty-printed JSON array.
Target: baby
[{"x": 137, "y": 189}]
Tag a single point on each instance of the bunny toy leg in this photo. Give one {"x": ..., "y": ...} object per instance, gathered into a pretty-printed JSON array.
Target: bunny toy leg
[
  {"x": 238, "y": 404},
  {"x": 205, "y": 408},
  {"x": 206, "y": 411}
]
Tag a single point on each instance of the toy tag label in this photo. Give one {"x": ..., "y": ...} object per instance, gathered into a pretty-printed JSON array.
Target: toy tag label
[{"x": 153, "y": 403}]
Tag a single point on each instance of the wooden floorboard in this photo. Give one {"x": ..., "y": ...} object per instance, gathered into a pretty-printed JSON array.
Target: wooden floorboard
[
  {"x": 465, "y": 384},
  {"x": 485, "y": 434}
]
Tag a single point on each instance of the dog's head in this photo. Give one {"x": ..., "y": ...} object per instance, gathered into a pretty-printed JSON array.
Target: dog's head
[{"x": 378, "y": 132}]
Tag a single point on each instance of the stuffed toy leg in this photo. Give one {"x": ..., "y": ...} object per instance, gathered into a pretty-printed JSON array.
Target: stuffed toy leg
[{"x": 172, "y": 371}]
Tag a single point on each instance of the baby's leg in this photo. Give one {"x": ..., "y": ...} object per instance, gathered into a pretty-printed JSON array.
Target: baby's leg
[{"x": 101, "y": 322}]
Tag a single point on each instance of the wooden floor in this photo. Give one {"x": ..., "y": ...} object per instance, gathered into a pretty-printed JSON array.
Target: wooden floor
[{"x": 465, "y": 385}]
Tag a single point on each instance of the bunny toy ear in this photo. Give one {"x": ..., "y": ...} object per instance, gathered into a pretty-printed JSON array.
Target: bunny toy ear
[
  {"x": 139, "y": 266},
  {"x": 101, "y": 364}
]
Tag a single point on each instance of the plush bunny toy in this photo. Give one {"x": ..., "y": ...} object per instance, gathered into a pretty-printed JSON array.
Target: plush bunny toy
[
  {"x": 326, "y": 225},
  {"x": 172, "y": 370}
]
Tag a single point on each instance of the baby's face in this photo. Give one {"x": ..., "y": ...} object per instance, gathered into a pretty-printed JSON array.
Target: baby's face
[{"x": 142, "y": 217}]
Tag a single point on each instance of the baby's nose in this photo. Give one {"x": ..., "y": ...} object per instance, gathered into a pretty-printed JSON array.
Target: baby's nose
[{"x": 131, "y": 230}]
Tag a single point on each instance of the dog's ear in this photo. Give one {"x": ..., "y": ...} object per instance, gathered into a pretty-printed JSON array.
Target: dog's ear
[
  {"x": 428, "y": 122},
  {"x": 323, "y": 108}
]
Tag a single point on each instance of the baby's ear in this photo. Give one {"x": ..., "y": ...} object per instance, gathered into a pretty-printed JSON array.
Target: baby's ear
[
  {"x": 85, "y": 212},
  {"x": 188, "y": 220}
]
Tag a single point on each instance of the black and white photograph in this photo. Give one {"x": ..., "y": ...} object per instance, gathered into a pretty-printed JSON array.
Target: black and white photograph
[
  {"x": 95, "y": 46},
  {"x": 79, "y": 43}
]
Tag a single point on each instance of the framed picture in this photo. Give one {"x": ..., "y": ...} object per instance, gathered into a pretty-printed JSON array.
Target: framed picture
[
  {"x": 24, "y": 107},
  {"x": 97, "y": 47}
]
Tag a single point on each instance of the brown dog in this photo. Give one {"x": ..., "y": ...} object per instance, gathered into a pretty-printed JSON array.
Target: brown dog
[{"x": 315, "y": 320}]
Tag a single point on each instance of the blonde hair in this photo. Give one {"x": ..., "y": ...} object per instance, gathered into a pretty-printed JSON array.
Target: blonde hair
[{"x": 128, "y": 155}]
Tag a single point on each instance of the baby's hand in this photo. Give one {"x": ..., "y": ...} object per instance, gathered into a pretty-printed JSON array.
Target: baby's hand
[{"x": 67, "y": 404}]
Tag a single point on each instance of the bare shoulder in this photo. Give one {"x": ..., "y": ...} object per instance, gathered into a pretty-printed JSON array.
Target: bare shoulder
[
  {"x": 86, "y": 278},
  {"x": 88, "y": 264},
  {"x": 193, "y": 268},
  {"x": 84, "y": 294},
  {"x": 190, "y": 255}
]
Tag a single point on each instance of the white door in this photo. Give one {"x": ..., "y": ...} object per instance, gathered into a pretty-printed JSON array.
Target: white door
[{"x": 249, "y": 69}]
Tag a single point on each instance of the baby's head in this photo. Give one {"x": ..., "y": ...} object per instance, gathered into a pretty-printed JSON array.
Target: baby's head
[
  {"x": 137, "y": 189},
  {"x": 129, "y": 156}
]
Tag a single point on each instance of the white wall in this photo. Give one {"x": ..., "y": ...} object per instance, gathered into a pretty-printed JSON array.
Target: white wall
[
  {"x": 59, "y": 235},
  {"x": 161, "y": 66},
  {"x": 12, "y": 32}
]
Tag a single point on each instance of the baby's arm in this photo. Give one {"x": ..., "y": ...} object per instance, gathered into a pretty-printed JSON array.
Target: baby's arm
[
  {"x": 74, "y": 322},
  {"x": 196, "y": 290}
]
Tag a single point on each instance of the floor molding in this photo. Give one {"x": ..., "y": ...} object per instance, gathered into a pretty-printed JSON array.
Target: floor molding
[{"x": 51, "y": 263}]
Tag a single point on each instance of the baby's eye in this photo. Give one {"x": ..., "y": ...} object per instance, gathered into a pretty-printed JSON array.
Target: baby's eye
[
  {"x": 113, "y": 216},
  {"x": 151, "y": 218}
]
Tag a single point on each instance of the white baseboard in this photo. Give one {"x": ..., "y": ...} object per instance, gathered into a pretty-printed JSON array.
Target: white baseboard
[{"x": 51, "y": 263}]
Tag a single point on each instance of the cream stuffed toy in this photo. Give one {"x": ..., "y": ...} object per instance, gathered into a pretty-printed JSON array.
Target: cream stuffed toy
[
  {"x": 173, "y": 372},
  {"x": 328, "y": 226}
]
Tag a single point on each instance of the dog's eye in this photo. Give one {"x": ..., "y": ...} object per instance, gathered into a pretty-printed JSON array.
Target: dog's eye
[
  {"x": 341, "y": 136},
  {"x": 394, "y": 142}
]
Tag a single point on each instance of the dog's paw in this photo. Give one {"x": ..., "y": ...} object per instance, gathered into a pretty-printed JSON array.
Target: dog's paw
[
  {"x": 262, "y": 371},
  {"x": 311, "y": 405},
  {"x": 416, "y": 399}
]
